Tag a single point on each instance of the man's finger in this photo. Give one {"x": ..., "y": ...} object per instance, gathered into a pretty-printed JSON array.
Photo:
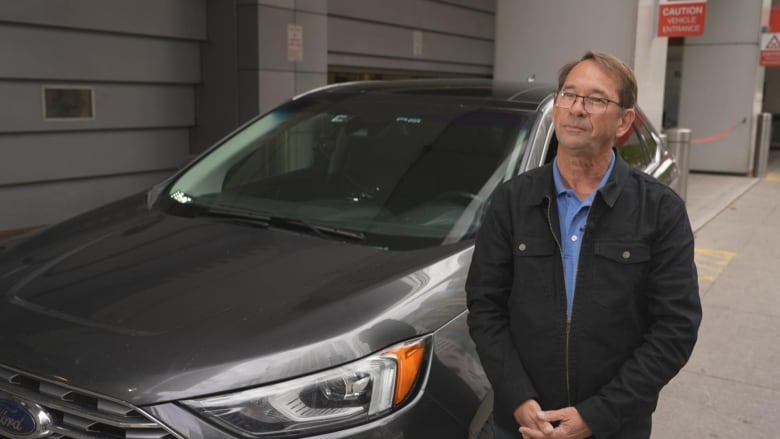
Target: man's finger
[
  {"x": 543, "y": 421},
  {"x": 551, "y": 415}
]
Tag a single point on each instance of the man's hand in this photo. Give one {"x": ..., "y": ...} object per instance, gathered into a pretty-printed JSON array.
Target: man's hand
[
  {"x": 527, "y": 415},
  {"x": 570, "y": 425}
]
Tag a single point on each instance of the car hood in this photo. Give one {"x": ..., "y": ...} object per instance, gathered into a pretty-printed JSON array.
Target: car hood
[{"x": 147, "y": 307}]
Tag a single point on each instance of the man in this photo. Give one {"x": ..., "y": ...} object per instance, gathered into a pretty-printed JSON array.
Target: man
[{"x": 582, "y": 293}]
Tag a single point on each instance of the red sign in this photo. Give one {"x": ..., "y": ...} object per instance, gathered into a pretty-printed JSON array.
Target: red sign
[
  {"x": 681, "y": 19},
  {"x": 774, "y": 19},
  {"x": 770, "y": 50}
]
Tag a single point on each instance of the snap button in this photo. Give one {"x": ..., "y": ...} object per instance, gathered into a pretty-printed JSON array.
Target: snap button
[
  {"x": 626, "y": 254},
  {"x": 522, "y": 247}
]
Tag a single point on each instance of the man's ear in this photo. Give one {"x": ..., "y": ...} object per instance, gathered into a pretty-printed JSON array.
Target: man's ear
[{"x": 625, "y": 121}]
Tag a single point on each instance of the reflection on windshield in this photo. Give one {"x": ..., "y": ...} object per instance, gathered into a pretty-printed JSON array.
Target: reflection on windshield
[{"x": 405, "y": 172}]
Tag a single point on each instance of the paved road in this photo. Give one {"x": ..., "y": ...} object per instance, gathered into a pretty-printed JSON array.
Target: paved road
[{"x": 730, "y": 388}]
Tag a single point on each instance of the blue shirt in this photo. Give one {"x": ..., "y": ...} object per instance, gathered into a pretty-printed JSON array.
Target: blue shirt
[{"x": 572, "y": 215}]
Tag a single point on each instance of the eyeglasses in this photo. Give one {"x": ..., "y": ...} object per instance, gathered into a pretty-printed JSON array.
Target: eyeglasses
[{"x": 592, "y": 104}]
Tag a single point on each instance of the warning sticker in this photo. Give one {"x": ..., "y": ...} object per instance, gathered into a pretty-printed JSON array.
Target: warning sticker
[{"x": 770, "y": 50}]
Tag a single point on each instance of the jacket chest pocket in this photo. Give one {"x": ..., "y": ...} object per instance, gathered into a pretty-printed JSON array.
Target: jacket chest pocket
[
  {"x": 619, "y": 271},
  {"x": 534, "y": 262}
]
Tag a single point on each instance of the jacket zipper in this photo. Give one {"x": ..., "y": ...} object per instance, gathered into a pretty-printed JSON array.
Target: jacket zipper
[{"x": 566, "y": 318}]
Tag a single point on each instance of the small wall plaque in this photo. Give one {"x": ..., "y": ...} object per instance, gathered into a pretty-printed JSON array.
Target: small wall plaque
[{"x": 68, "y": 103}]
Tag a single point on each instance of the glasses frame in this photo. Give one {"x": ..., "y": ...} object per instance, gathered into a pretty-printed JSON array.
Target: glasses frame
[{"x": 587, "y": 101}]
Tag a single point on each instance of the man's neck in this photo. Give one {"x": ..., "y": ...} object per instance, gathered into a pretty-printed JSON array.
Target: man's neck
[{"x": 583, "y": 174}]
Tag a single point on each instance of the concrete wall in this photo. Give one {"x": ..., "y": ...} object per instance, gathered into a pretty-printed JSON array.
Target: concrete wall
[
  {"x": 420, "y": 36},
  {"x": 247, "y": 68},
  {"x": 535, "y": 39},
  {"x": 140, "y": 58},
  {"x": 722, "y": 86}
]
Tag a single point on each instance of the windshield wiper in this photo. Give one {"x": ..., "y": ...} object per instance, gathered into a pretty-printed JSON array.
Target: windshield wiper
[{"x": 266, "y": 220}]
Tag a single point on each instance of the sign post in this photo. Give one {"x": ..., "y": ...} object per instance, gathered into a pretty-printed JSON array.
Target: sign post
[{"x": 681, "y": 18}]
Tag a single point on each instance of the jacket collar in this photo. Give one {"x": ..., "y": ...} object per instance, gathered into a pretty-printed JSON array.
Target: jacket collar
[{"x": 609, "y": 193}]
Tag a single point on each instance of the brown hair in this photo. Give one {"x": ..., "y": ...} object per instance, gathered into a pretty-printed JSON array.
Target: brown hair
[{"x": 627, "y": 88}]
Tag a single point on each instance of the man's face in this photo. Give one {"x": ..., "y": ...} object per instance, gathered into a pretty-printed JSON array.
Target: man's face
[{"x": 583, "y": 134}]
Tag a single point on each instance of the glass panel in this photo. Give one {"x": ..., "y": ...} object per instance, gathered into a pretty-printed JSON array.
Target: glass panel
[
  {"x": 631, "y": 148},
  {"x": 407, "y": 171}
]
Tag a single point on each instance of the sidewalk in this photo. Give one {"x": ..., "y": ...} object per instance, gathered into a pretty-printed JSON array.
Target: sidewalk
[{"x": 730, "y": 388}]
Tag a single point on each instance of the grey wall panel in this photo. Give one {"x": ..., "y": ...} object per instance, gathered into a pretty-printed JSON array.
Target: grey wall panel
[
  {"x": 709, "y": 109},
  {"x": 308, "y": 81},
  {"x": 537, "y": 38},
  {"x": 315, "y": 42},
  {"x": 116, "y": 106},
  {"x": 417, "y": 14},
  {"x": 316, "y": 6},
  {"x": 76, "y": 55},
  {"x": 371, "y": 63},
  {"x": 61, "y": 156},
  {"x": 264, "y": 29},
  {"x": 169, "y": 18},
  {"x": 482, "y": 5},
  {"x": 248, "y": 99},
  {"x": 142, "y": 60},
  {"x": 262, "y": 34},
  {"x": 47, "y": 203},
  {"x": 285, "y": 4},
  {"x": 274, "y": 88},
  {"x": 217, "y": 96},
  {"x": 725, "y": 19},
  {"x": 364, "y": 38}
]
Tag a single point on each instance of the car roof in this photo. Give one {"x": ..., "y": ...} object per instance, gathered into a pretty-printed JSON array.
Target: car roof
[{"x": 522, "y": 94}]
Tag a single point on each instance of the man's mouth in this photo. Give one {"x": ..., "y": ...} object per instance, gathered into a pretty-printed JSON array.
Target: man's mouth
[{"x": 576, "y": 128}]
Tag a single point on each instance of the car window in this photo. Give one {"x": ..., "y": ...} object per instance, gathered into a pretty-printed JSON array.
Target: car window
[
  {"x": 407, "y": 171},
  {"x": 633, "y": 150}
]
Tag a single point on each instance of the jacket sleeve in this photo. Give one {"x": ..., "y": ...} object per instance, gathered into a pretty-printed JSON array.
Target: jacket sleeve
[
  {"x": 673, "y": 313},
  {"x": 488, "y": 287}
]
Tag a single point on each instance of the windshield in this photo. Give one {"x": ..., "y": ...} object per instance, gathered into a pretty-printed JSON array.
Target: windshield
[{"x": 403, "y": 171}]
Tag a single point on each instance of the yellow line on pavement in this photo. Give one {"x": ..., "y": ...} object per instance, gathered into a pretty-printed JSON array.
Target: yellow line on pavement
[
  {"x": 710, "y": 262},
  {"x": 771, "y": 176}
]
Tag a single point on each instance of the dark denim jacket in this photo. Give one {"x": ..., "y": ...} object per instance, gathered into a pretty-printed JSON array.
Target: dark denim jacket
[{"x": 636, "y": 308}]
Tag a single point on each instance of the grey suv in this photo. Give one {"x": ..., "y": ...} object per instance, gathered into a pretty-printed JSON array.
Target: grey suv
[{"x": 302, "y": 278}]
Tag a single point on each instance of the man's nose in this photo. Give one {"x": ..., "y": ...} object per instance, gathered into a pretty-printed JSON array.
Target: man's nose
[{"x": 578, "y": 106}]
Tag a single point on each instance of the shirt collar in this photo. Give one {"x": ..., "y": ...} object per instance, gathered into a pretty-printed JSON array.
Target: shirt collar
[{"x": 561, "y": 189}]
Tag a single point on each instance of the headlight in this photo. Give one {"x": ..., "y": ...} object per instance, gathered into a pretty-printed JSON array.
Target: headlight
[{"x": 325, "y": 401}]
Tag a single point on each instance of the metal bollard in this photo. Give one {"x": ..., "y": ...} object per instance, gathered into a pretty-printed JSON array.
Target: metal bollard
[
  {"x": 763, "y": 140},
  {"x": 679, "y": 141}
]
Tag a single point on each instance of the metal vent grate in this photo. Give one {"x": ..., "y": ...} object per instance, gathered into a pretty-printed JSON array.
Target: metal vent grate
[{"x": 81, "y": 415}]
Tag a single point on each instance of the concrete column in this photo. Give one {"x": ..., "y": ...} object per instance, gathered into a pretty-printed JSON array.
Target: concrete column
[
  {"x": 649, "y": 62},
  {"x": 247, "y": 66},
  {"x": 534, "y": 39},
  {"x": 267, "y": 72},
  {"x": 722, "y": 86}
]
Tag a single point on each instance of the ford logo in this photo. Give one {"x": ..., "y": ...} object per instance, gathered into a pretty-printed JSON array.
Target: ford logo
[{"x": 22, "y": 419}]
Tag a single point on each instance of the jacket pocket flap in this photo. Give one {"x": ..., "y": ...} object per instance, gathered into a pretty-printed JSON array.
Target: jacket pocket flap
[
  {"x": 534, "y": 247},
  {"x": 624, "y": 252}
]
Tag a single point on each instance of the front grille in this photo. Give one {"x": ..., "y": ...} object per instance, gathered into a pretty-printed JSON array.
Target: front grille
[{"x": 82, "y": 415}]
